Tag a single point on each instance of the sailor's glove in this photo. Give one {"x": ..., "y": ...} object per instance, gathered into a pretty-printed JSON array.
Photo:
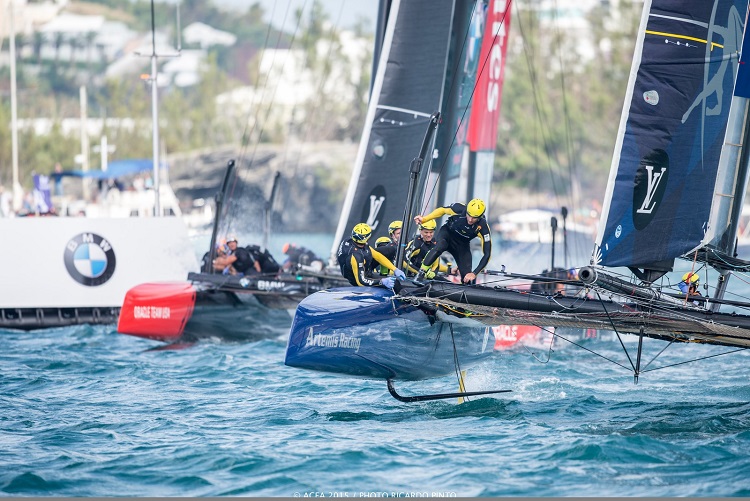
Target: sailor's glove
[
  {"x": 399, "y": 274},
  {"x": 388, "y": 282}
]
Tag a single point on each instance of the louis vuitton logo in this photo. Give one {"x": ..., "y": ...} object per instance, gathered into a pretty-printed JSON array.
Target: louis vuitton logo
[
  {"x": 653, "y": 184},
  {"x": 376, "y": 203}
]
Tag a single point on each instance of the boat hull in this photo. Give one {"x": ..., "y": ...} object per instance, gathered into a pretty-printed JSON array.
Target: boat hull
[
  {"x": 365, "y": 332},
  {"x": 215, "y": 306}
]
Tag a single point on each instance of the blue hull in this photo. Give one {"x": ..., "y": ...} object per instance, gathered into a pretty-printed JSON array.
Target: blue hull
[{"x": 364, "y": 332}]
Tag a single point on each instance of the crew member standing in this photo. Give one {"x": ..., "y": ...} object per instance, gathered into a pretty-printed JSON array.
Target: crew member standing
[{"x": 465, "y": 223}]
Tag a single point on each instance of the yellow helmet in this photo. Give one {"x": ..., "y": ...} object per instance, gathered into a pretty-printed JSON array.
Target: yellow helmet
[
  {"x": 395, "y": 225},
  {"x": 428, "y": 225},
  {"x": 361, "y": 233},
  {"x": 476, "y": 208},
  {"x": 691, "y": 278},
  {"x": 382, "y": 241}
]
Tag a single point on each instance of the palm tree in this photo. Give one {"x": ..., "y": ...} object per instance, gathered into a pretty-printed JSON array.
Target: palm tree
[
  {"x": 38, "y": 43},
  {"x": 57, "y": 40}
]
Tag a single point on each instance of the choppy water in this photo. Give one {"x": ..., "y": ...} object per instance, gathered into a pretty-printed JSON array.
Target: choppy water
[{"x": 88, "y": 412}]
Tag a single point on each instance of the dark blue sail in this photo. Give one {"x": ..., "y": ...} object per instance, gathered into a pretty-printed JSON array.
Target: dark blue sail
[{"x": 672, "y": 131}]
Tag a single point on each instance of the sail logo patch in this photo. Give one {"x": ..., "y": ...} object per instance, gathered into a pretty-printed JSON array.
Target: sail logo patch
[
  {"x": 651, "y": 97},
  {"x": 649, "y": 185},
  {"x": 90, "y": 259},
  {"x": 374, "y": 207}
]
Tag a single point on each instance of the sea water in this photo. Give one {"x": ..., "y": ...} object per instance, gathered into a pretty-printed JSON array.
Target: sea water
[{"x": 89, "y": 412}]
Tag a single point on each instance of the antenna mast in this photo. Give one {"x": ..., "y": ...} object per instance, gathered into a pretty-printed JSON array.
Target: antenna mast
[{"x": 155, "y": 101}]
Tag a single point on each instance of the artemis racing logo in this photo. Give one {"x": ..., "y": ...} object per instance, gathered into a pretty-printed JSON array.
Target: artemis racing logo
[
  {"x": 332, "y": 341},
  {"x": 649, "y": 186}
]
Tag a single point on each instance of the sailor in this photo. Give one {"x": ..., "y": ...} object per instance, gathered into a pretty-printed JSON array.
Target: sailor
[
  {"x": 219, "y": 251},
  {"x": 237, "y": 261},
  {"x": 389, "y": 250},
  {"x": 394, "y": 231},
  {"x": 265, "y": 263},
  {"x": 418, "y": 248},
  {"x": 465, "y": 223},
  {"x": 300, "y": 256},
  {"x": 382, "y": 245},
  {"x": 690, "y": 283},
  {"x": 355, "y": 258}
]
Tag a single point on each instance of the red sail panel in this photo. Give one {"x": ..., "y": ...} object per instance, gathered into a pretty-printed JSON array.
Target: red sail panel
[{"x": 485, "y": 109}]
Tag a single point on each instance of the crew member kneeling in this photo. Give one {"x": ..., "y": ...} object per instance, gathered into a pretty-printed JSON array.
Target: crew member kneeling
[{"x": 355, "y": 260}]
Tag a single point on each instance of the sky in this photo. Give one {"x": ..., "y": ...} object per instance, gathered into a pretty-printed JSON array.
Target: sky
[{"x": 348, "y": 11}]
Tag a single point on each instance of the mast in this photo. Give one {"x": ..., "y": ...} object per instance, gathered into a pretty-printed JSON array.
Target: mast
[
  {"x": 268, "y": 210},
  {"x": 155, "y": 102},
  {"x": 17, "y": 190},
  {"x": 155, "y": 115}
]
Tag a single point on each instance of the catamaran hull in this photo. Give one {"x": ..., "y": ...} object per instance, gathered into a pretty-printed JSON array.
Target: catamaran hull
[
  {"x": 365, "y": 332},
  {"x": 214, "y": 306}
]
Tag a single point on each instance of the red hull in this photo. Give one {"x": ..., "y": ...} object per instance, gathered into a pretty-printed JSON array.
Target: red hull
[{"x": 157, "y": 311}]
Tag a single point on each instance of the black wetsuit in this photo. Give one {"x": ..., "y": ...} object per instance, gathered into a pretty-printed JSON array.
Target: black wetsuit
[
  {"x": 389, "y": 251},
  {"x": 268, "y": 264},
  {"x": 416, "y": 252},
  {"x": 301, "y": 255},
  {"x": 355, "y": 262},
  {"x": 245, "y": 261},
  {"x": 456, "y": 234}
]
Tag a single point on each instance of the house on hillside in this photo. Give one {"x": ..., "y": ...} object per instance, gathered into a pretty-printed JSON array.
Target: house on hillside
[
  {"x": 205, "y": 36},
  {"x": 289, "y": 85}
]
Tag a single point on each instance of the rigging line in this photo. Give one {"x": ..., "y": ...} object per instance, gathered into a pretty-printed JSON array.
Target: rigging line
[
  {"x": 272, "y": 101},
  {"x": 313, "y": 110},
  {"x": 566, "y": 112},
  {"x": 657, "y": 355},
  {"x": 592, "y": 351},
  {"x": 256, "y": 110},
  {"x": 536, "y": 93},
  {"x": 694, "y": 360},
  {"x": 501, "y": 24},
  {"x": 549, "y": 348},
  {"x": 615, "y": 329}
]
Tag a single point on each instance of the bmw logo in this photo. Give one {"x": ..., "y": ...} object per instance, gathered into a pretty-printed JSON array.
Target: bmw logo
[{"x": 90, "y": 259}]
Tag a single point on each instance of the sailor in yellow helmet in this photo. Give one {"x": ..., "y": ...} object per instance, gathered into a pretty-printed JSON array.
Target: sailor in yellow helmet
[
  {"x": 418, "y": 248},
  {"x": 394, "y": 231},
  {"x": 689, "y": 284},
  {"x": 465, "y": 223},
  {"x": 355, "y": 258},
  {"x": 388, "y": 246}
]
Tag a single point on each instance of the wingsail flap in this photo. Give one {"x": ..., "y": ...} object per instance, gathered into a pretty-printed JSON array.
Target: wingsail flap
[
  {"x": 672, "y": 130},
  {"x": 407, "y": 90}
]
